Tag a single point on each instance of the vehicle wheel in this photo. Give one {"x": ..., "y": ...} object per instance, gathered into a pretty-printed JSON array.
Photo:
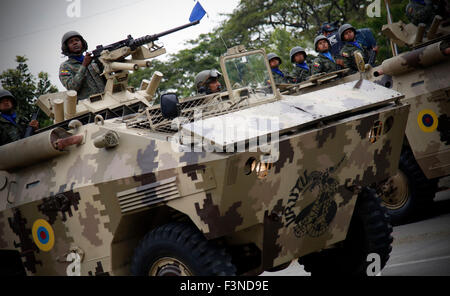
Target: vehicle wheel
[
  {"x": 369, "y": 232},
  {"x": 409, "y": 192},
  {"x": 177, "y": 249}
]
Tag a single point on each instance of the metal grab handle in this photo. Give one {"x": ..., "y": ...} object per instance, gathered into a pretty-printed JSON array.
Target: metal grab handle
[
  {"x": 9, "y": 190},
  {"x": 97, "y": 118}
]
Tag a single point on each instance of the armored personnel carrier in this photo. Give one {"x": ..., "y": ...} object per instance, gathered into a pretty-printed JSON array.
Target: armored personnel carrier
[
  {"x": 421, "y": 74},
  {"x": 236, "y": 182}
]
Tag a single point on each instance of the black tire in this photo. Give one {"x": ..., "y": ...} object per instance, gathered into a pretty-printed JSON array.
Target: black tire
[
  {"x": 369, "y": 232},
  {"x": 419, "y": 196},
  {"x": 187, "y": 246}
]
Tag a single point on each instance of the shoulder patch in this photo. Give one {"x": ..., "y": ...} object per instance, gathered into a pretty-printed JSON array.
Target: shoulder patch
[
  {"x": 64, "y": 72},
  {"x": 345, "y": 54},
  {"x": 316, "y": 65}
]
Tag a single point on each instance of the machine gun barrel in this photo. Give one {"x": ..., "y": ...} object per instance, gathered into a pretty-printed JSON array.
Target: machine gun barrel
[
  {"x": 150, "y": 38},
  {"x": 133, "y": 44}
]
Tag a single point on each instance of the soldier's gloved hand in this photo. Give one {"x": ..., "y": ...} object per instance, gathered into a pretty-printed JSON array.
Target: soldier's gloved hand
[
  {"x": 34, "y": 124},
  {"x": 87, "y": 59}
]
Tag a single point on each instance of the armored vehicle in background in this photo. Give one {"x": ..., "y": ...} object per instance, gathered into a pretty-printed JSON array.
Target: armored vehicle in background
[
  {"x": 236, "y": 182},
  {"x": 421, "y": 74}
]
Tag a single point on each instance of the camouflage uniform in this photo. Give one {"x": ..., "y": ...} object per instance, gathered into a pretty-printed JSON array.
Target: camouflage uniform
[
  {"x": 86, "y": 81},
  {"x": 280, "y": 79},
  {"x": 278, "y": 76},
  {"x": 301, "y": 71},
  {"x": 347, "y": 54},
  {"x": 322, "y": 64},
  {"x": 9, "y": 132},
  {"x": 420, "y": 12},
  {"x": 301, "y": 74}
]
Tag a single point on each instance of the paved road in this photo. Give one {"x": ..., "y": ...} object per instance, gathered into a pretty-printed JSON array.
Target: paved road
[{"x": 419, "y": 249}]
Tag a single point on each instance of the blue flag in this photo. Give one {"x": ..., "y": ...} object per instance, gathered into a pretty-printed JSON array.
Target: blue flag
[{"x": 197, "y": 13}]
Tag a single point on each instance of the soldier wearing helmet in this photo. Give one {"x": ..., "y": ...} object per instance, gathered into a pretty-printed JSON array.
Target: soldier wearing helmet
[
  {"x": 302, "y": 70},
  {"x": 324, "y": 63},
  {"x": 79, "y": 72},
  {"x": 330, "y": 31},
  {"x": 328, "y": 28},
  {"x": 207, "y": 82},
  {"x": 10, "y": 129},
  {"x": 347, "y": 34},
  {"x": 275, "y": 62}
]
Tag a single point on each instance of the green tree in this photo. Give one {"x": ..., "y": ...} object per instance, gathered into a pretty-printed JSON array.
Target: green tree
[
  {"x": 253, "y": 20},
  {"x": 26, "y": 89}
]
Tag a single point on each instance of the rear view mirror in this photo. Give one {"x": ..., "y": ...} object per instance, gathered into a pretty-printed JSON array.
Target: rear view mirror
[{"x": 169, "y": 105}]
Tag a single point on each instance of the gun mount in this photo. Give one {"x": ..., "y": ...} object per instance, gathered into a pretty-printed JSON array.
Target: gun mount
[
  {"x": 417, "y": 36},
  {"x": 118, "y": 99},
  {"x": 116, "y": 66}
]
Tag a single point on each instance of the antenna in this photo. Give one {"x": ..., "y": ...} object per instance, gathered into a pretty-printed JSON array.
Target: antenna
[
  {"x": 220, "y": 35},
  {"x": 389, "y": 19}
]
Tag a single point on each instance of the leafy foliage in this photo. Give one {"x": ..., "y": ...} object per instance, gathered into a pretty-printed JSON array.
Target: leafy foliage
[{"x": 26, "y": 89}]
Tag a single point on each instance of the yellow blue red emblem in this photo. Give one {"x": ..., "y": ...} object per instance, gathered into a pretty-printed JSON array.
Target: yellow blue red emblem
[{"x": 43, "y": 235}]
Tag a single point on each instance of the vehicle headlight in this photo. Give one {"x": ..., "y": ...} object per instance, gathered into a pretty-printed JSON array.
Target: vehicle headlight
[{"x": 260, "y": 168}]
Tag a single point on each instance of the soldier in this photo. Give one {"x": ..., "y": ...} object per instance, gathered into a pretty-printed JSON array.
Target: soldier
[
  {"x": 79, "y": 72},
  {"x": 324, "y": 63},
  {"x": 331, "y": 32},
  {"x": 10, "y": 129},
  {"x": 207, "y": 82},
  {"x": 420, "y": 11},
  {"x": 275, "y": 61},
  {"x": 347, "y": 33},
  {"x": 363, "y": 36},
  {"x": 366, "y": 38},
  {"x": 301, "y": 71}
]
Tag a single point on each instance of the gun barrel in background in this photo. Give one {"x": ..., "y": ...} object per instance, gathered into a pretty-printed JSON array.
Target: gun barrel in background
[{"x": 416, "y": 59}]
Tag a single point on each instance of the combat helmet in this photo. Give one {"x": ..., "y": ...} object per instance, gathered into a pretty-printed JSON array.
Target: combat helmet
[
  {"x": 296, "y": 50},
  {"x": 274, "y": 56},
  {"x": 6, "y": 94},
  {"x": 328, "y": 27},
  {"x": 345, "y": 27},
  {"x": 321, "y": 37},
  {"x": 202, "y": 78},
  {"x": 67, "y": 36}
]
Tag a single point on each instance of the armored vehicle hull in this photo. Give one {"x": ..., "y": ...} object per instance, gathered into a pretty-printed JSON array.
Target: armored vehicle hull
[{"x": 87, "y": 210}]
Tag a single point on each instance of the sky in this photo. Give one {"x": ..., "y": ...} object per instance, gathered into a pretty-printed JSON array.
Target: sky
[{"x": 34, "y": 28}]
